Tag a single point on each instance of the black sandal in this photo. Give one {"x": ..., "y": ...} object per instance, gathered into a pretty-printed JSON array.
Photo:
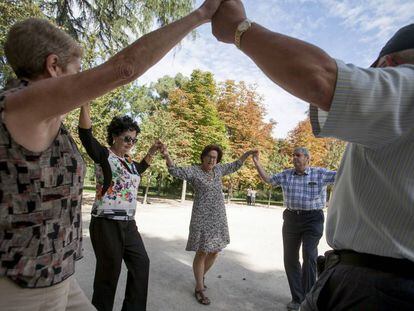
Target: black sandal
[{"x": 199, "y": 295}]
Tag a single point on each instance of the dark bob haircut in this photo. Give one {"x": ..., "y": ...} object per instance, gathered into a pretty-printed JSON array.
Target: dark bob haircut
[
  {"x": 209, "y": 148},
  {"x": 120, "y": 125}
]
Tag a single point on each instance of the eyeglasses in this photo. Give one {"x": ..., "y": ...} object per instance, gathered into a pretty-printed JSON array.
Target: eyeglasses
[{"x": 129, "y": 139}]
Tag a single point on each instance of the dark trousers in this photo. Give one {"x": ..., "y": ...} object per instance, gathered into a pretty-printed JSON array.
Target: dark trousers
[
  {"x": 301, "y": 229},
  {"x": 346, "y": 287},
  {"x": 114, "y": 241}
]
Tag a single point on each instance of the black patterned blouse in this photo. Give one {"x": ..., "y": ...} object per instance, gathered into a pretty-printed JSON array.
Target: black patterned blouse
[{"x": 40, "y": 209}]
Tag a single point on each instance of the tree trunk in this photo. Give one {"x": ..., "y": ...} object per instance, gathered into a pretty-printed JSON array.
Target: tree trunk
[
  {"x": 144, "y": 201},
  {"x": 184, "y": 190}
]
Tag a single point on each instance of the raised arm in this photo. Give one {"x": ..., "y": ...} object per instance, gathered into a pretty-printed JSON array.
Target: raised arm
[
  {"x": 33, "y": 114},
  {"x": 85, "y": 117},
  {"x": 260, "y": 170},
  {"x": 95, "y": 150},
  {"x": 53, "y": 97},
  {"x": 185, "y": 173},
  {"x": 302, "y": 69},
  {"x": 232, "y": 167},
  {"x": 146, "y": 161}
]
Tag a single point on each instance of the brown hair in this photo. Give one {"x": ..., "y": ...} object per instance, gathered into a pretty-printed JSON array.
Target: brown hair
[
  {"x": 31, "y": 41},
  {"x": 209, "y": 148}
]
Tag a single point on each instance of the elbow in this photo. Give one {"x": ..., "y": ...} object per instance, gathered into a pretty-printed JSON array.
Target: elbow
[
  {"x": 323, "y": 88},
  {"x": 128, "y": 69}
]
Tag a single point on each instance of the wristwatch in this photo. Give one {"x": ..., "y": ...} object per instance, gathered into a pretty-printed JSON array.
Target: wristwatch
[{"x": 241, "y": 29}]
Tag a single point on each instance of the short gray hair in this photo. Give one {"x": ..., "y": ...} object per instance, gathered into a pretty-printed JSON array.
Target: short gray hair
[{"x": 302, "y": 150}]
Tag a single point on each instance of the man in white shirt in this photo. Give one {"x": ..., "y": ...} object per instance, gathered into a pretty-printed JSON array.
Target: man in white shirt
[{"x": 370, "y": 222}]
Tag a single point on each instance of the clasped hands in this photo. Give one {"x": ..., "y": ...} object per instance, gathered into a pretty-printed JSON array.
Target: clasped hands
[{"x": 225, "y": 16}]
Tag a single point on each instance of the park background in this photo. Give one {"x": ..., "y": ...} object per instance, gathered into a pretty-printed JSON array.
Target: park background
[{"x": 205, "y": 92}]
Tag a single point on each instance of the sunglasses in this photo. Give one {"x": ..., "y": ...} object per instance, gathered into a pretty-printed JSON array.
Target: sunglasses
[{"x": 129, "y": 139}]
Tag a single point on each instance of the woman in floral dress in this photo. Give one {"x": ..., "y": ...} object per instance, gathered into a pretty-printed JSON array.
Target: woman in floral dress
[{"x": 209, "y": 232}]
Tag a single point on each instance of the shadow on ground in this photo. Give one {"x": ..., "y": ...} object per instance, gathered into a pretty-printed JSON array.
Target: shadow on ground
[{"x": 231, "y": 286}]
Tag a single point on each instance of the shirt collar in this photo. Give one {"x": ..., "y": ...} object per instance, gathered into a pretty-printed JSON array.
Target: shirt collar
[{"x": 306, "y": 172}]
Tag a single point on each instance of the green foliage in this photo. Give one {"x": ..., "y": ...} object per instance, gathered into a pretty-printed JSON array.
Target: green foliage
[
  {"x": 194, "y": 105},
  {"x": 12, "y": 11},
  {"x": 113, "y": 22},
  {"x": 102, "y": 26}
]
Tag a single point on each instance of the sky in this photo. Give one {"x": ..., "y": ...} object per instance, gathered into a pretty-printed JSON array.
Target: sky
[{"x": 352, "y": 31}]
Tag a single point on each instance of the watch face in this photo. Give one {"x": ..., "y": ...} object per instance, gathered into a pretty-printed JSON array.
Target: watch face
[{"x": 244, "y": 26}]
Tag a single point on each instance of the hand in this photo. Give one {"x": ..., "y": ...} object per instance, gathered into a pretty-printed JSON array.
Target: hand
[
  {"x": 156, "y": 146},
  {"x": 251, "y": 152},
  {"x": 224, "y": 23},
  {"x": 208, "y": 8},
  {"x": 164, "y": 150}
]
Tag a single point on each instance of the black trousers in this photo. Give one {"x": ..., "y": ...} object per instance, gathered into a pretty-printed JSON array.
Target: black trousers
[
  {"x": 114, "y": 241},
  {"x": 301, "y": 229},
  {"x": 354, "y": 288}
]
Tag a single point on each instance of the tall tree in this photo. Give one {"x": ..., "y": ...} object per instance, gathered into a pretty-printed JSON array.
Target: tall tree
[
  {"x": 195, "y": 106},
  {"x": 242, "y": 110},
  {"x": 101, "y": 26},
  {"x": 164, "y": 126}
]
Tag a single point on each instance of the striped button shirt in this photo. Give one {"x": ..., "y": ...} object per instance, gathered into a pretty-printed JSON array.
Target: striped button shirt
[
  {"x": 307, "y": 191},
  {"x": 372, "y": 207}
]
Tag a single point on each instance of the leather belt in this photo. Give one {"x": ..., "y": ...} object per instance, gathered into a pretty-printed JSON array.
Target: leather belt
[{"x": 399, "y": 266}]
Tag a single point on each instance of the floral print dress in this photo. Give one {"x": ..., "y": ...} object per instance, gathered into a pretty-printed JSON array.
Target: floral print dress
[{"x": 209, "y": 231}]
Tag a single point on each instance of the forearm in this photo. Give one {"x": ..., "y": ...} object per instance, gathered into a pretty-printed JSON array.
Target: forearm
[
  {"x": 300, "y": 68},
  {"x": 261, "y": 171},
  {"x": 168, "y": 160},
  {"x": 72, "y": 91},
  {"x": 84, "y": 117},
  {"x": 244, "y": 157}
]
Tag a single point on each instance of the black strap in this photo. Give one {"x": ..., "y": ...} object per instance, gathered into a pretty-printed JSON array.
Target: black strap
[{"x": 400, "y": 266}]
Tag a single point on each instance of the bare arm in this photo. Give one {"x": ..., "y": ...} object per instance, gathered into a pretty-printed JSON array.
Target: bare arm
[
  {"x": 259, "y": 168},
  {"x": 300, "y": 68},
  {"x": 156, "y": 146},
  {"x": 85, "y": 117},
  {"x": 245, "y": 155},
  {"x": 166, "y": 155},
  {"x": 33, "y": 114}
]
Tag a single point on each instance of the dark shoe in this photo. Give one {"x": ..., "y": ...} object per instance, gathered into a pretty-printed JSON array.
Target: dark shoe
[
  {"x": 201, "y": 298},
  {"x": 293, "y": 306}
]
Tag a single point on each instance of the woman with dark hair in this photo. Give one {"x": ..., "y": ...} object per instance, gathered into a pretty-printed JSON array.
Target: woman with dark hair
[
  {"x": 113, "y": 231},
  {"x": 41, "y": 168},
  {"x": 209, "y": 232}
]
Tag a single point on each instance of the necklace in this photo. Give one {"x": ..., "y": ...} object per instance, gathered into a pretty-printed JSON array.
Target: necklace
[{"x": 210, "y": 174}]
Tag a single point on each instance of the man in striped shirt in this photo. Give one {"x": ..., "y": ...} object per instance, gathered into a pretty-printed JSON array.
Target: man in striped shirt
[
  {"x": 370, "y": 222},
  {"x": 304, "y": 193}
]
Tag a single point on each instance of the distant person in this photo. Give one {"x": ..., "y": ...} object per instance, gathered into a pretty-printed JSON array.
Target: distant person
[
  {"x": 304, "y": 192},
  {"x": 209, "y": 232},
  {"x": 253, "y": 197},
  {"x": 249, "y": 196}
]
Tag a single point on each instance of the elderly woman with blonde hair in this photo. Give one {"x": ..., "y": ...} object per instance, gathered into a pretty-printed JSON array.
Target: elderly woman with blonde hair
[{"x": 41, "y": 169}]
